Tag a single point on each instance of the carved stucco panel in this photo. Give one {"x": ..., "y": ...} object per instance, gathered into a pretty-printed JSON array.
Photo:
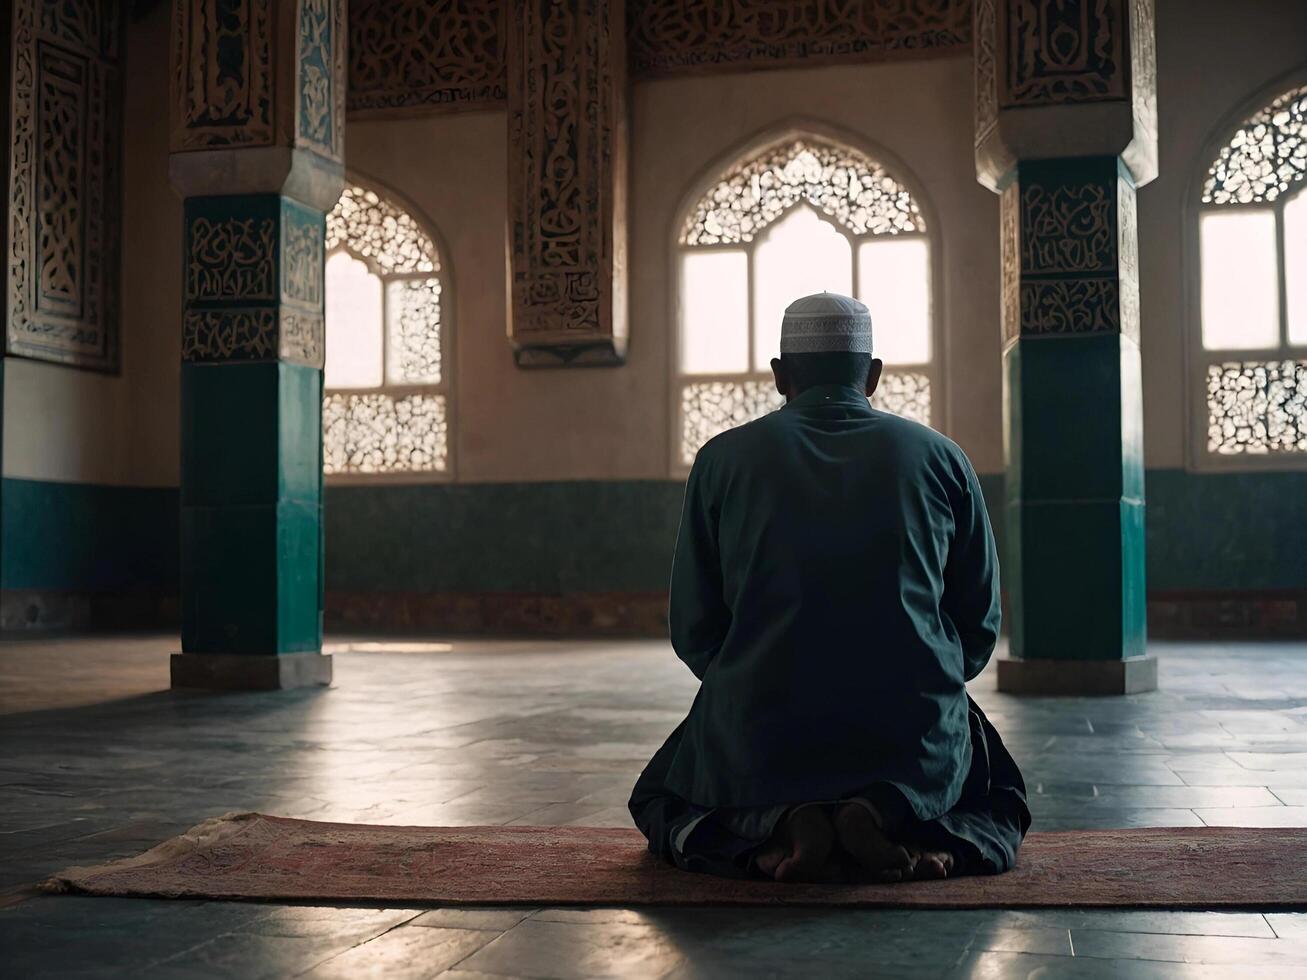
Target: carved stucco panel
[
  {"x": 1010, "y": 255},
  {"x": 452, "y": 54},
  {"x": 64, "y": 203},
  {"x": 426, "y": 54},
  {"x": 320, "y": 97},
  {"x": 986, "y": 62},
  {"x": 223, "y": 82},
  {"x": 1078, "y": 249},
  {"x": 670, "y": 36},
  {"x": 1064, "y": 52},
  {"x": 566, "y": 166}
]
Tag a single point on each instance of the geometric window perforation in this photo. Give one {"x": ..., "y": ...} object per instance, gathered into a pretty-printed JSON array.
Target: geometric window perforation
[
  {"x": 1257, "y": 407},
  {"x": 709, "y": 408},
  {"x": 854, "y": 190},
  {"x": 1250, "y": 332},
  {"x": 802, "y": 215},
  {"x": 385, "y": 407},
  {"x": 373, "y": 228},
  {"x": 377, "y": 432},
  {"x": 1265, "y": 156}
]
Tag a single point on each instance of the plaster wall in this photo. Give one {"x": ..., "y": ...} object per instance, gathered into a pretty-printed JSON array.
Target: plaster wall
[
  {"x": 615, "y": 422},
  {"x": 71, "y": 426},
  {"x": 916, "y": 116},
  {"x": 1211, "y": 56}
]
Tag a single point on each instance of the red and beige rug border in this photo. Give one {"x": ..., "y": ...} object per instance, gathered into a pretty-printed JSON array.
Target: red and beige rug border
[{"x": 253, "y": 856}]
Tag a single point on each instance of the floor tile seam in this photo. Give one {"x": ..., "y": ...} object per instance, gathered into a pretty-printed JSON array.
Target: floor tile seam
[
  {"x": 1278, "y": 943},
  {"x": 347, "y": 949},
  {"x": 1271, "y": 925},
  {"x": 155, "y": 964}
]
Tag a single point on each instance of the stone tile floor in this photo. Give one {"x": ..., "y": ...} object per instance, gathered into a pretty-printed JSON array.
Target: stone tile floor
[{"x": 99, "y": 761}]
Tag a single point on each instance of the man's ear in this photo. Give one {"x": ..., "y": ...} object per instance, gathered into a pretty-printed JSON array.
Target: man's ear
[
  {"x": 873, "y": 375},
  {"x": 782, "y": 377}
]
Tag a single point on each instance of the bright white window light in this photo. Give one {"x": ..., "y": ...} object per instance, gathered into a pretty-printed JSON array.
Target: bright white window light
[
  {"x": 894, "y": 283},
  {"x": 353, "y": 309},
  {"x": 1295, "y": 266},
  {"x": 714, "y": 312},
  {"x": 799, "y": 255},
  {"x": 1240, "y": 292}
]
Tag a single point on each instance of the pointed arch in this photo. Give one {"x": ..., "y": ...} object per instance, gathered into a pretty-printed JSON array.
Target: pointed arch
[
  {"x": 1247, "y": 336},
  {"x": 740, "y": 236},
  {"x": 386, "y": 399}
]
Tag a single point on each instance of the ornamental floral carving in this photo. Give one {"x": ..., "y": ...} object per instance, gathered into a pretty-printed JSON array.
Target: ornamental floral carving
[
  {"x": 669, "y": 36},
  {"x": 321, "y": 65},
  {"x": 64, "y": 202},
  {"x": 567, "y": 160},
  {"x": 301, "y": 256},
  {"x": 426, "y": 54}
]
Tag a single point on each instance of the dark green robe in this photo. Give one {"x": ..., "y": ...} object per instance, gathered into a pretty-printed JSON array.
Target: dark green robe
[{"x": 834, "y": 586}]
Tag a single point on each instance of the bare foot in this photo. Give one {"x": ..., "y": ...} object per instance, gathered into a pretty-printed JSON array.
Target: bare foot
[
  {"x": 860, "y": 835},
  {"x": 800, "y": 849},
  {"x": 931, "y": 864}
]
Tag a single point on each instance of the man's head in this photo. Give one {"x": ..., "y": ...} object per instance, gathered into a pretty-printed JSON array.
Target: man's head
[{"x": 825, "y": 340}]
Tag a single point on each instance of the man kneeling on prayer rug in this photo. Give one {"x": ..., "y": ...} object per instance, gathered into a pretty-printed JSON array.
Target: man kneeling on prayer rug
[{"x": 834, "y": 587}]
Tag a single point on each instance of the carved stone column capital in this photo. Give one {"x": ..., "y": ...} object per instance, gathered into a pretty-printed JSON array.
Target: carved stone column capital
[
  {"x": 1071, "y": 79},
  {"x": 567, "y": 145}
]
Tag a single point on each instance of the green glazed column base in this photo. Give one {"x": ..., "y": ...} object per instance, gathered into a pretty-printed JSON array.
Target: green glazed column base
[
  {"x": 249, "y": 671},
  {"x": 1084, "y": 678}
]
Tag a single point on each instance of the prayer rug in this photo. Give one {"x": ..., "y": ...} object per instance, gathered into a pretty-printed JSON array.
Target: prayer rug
[{"x": 253, "y": 856}]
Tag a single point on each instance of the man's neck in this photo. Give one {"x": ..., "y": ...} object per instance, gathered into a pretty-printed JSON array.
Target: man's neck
[{"x": 828, "y": 392}]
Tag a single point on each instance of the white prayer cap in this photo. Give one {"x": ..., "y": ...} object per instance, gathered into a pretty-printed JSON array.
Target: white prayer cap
[{"x": 826, "y": 322}]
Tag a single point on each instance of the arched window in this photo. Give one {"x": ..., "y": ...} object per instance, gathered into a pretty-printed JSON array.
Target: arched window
[
  {"x": 801, "y": 216},
  {"x": 385, "y": 405},
  {"x": 1252, "y": 337}
]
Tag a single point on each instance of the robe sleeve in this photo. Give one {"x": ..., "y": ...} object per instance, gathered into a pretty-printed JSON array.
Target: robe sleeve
[
  {"x": 971, "y": 595},
  {"x": 698, "y": 617}
]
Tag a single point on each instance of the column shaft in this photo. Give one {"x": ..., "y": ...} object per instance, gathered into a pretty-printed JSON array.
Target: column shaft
[{"x": 257, "y": 149}]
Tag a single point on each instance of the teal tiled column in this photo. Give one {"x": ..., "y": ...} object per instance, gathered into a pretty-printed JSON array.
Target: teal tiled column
[
  {"x": 1066, "y": 123},
  {"x": 257, "y": 144},
  {"x": 251, "y": 523},
  {"x": 1074, "y": 429}
]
